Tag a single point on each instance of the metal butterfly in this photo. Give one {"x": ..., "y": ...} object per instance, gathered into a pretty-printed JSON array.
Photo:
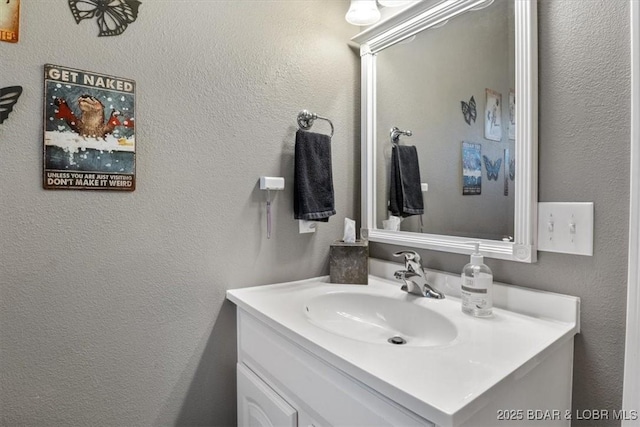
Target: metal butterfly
[
  {"x": 113, "y": 16},
  {"x": 469, "y": 110},
  {"x": 8, "y": 98},
  {"x": 493, "y": 168}
]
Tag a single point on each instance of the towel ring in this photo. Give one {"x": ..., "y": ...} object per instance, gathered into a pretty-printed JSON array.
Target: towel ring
[
  {"x": 306, "y": 118},
  {"x": 395, "y": 133}
]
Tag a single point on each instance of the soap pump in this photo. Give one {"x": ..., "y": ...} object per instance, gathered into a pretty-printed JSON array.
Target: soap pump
[{"x": 477, "y": 281}]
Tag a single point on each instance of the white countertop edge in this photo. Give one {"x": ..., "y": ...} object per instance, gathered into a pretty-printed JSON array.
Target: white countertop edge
[
  {"x": 527, "y": 301},
  {"x": 480, "y": 402}
]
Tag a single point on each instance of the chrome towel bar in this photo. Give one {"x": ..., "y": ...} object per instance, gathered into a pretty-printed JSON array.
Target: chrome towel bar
[
  {"x": 306, "y": 119},
  {"x": 395, "y": 133}
]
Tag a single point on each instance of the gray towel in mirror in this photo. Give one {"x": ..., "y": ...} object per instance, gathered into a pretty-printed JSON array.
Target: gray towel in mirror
[
  {"x": 313, "y": 198},
  {"x": 405, "y": 192}
]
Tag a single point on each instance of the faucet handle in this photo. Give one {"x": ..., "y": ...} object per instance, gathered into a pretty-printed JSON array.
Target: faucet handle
[
  {"x": 409, "y": 255},
  {"x": 411, "y": 261}
]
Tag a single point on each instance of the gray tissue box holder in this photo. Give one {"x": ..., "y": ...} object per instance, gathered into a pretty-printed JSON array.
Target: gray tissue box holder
[{"x": 349, "y": 262}]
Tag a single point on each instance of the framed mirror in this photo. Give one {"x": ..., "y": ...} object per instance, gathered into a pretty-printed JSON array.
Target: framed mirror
[{"x": 447, "y": 74}]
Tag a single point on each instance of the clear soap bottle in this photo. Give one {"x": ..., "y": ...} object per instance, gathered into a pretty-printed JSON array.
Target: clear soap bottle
[{"x": 477, "y": 283}]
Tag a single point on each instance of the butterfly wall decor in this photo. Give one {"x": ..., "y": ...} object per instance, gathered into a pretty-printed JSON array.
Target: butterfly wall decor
[
  {"x": 113, "y": 16},
  {"x": 8, "y": 98},
  {"x": 493, "y": 168},
  {"x": 469, "y": 110}
]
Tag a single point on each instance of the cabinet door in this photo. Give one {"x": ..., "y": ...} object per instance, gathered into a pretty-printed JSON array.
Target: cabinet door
[
  {"x": 315, "y": 388},
  {"x": 259, "y": 405}
]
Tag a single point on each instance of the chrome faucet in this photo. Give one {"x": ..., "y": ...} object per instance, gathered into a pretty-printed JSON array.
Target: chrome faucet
[{"x": 415, "y": 281}]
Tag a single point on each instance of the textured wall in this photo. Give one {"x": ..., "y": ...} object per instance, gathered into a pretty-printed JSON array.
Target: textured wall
[
  {"x": 112, "y": 307},
  {"x": 584, "y": 156}
]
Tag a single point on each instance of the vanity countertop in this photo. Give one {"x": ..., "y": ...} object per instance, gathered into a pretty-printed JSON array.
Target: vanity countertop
[{"x": 445, "y": 384}]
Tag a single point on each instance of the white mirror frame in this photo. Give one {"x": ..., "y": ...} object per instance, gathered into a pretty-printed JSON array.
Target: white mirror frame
[{"x": 410, "y": 21}]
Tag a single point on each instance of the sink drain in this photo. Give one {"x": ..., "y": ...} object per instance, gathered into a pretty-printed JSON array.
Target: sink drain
[{"x": 397, "y": 340}]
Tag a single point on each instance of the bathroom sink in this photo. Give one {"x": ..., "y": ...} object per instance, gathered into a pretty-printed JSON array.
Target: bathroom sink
[
  {"x": 454, "y": 370},
  {"x": 379, "y": 319}
]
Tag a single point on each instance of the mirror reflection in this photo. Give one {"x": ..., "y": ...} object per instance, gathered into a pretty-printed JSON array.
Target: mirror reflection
[{"x": 450, "y": 92}]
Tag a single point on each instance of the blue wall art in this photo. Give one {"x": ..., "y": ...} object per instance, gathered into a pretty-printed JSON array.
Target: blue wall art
[{"x": 471, "y": 169}]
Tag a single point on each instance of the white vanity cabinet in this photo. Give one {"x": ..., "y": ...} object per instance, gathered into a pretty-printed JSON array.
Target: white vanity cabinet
[
  {"x": 297, "y": 368},
  {"x": 282, "y": 384}
]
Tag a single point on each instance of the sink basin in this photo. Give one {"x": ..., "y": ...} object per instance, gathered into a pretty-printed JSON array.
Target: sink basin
[{"x": 380, "y": 319}]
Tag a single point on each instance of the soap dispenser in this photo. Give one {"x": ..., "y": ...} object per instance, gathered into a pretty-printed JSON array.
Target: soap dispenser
[{"x": 477, "y": 281}]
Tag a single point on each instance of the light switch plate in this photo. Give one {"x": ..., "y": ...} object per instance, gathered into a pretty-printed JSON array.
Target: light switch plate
[{"x": 565, "y": 228}]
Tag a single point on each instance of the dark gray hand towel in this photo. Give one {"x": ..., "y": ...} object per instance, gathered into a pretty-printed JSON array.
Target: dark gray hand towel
[
  {"x": 405, "y": 192},
  {"x": 313, "y": 180}
]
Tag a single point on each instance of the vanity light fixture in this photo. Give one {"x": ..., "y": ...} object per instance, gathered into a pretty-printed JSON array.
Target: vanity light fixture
[
  {"x": 363, "y": 12},
  {"x": 394, "y": 3}
]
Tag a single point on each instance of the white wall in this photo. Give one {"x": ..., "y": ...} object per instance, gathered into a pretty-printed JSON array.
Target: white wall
[
  {"x": 631, "y": 391},
  {"x": 112, "y": 307}
]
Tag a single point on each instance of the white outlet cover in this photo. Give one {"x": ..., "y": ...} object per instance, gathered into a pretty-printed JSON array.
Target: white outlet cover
[
  {"x": 565, "y": 227},
  {"x": 307, "y": 226},
  {"x": 271, "y": 183}
]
